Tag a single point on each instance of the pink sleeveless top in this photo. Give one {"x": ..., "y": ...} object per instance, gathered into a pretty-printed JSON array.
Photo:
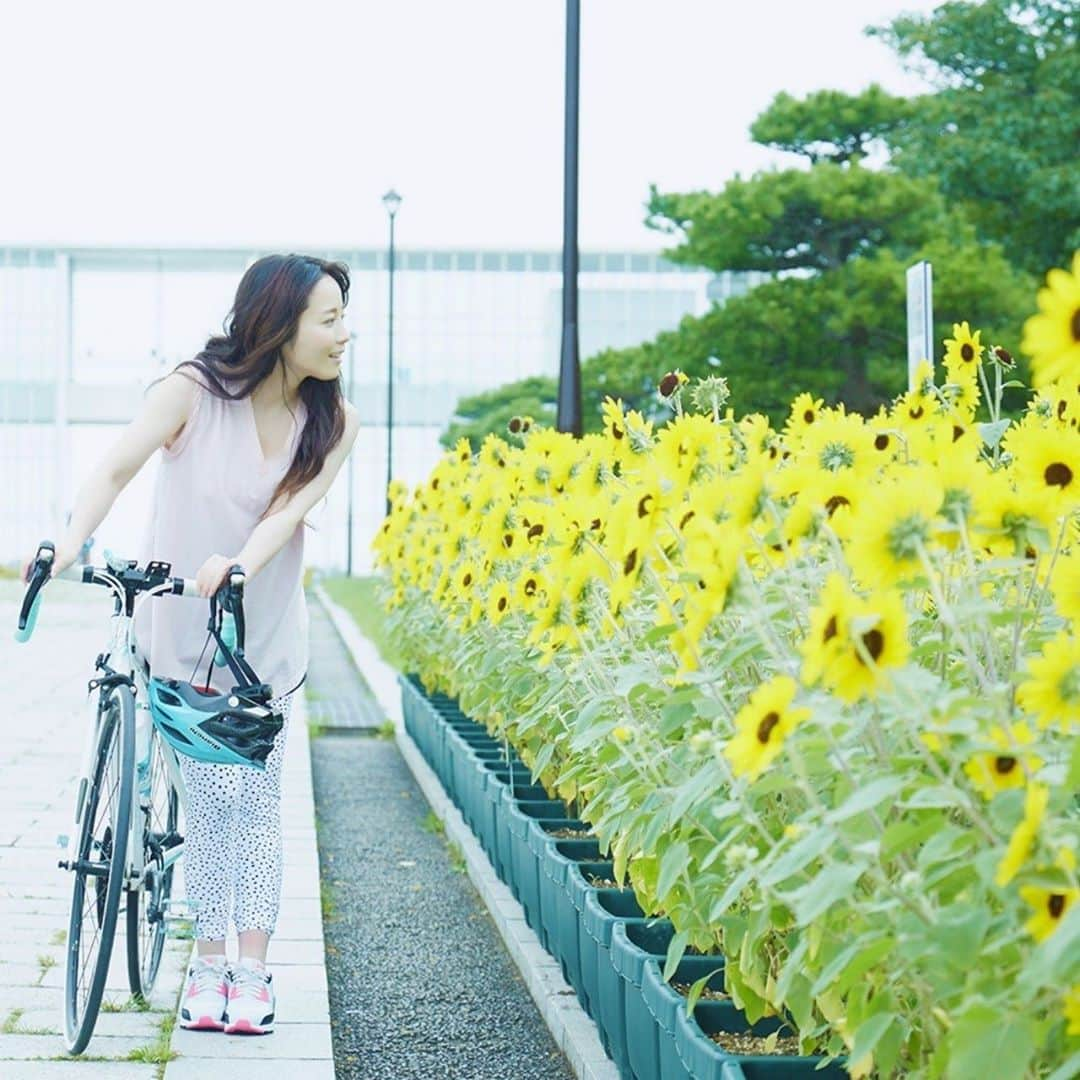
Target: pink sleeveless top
[{"x": 212, "y": 485}]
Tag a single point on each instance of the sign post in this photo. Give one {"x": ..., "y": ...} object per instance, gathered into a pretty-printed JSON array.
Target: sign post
[{"x": 920, "y": 317}]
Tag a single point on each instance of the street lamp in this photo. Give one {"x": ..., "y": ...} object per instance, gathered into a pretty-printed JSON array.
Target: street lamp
[
  {"x": 568, "y": 414},
  {"x": 391, "y": 200}
]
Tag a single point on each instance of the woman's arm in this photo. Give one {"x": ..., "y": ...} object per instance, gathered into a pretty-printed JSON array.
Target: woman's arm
[
  {"x": 165, "y": 409},
  {"x": 273, "y": 532}
]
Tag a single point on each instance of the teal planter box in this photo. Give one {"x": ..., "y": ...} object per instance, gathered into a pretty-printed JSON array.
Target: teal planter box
[
  {"x": 469, "y": 777},
  {"x": 524, "y": 880},
  {"x": 632, "y": 946},
  {"x": 602, "y": 909},
  {"x": 510, "y": 796},
  {"x": 572, "y": 929},
  {"x": 494, "y": 787},
  {"x": 707, "y": 1060},
  {"x": 664, "y": 1004},
  {"x": 554, "y": 857}
]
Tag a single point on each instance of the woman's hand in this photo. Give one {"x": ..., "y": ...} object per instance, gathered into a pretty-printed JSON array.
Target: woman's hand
[{"x": 212, "y": 573}]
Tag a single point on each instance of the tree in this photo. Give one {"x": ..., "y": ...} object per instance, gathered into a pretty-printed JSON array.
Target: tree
[
  {"x": 476, "y": 416},
  {"x": 1002, "y": 133}
]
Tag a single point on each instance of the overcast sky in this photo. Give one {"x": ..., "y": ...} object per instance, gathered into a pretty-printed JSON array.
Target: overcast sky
[{"x": 248, "y": 123}]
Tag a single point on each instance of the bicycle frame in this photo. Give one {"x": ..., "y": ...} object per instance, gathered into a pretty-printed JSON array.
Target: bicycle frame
[{"x": 125, "y": 660}]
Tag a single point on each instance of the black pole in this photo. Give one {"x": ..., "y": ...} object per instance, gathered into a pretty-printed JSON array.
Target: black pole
[
  {"x": 390, "y": 376},
  {"x": 568, "y": 417}
]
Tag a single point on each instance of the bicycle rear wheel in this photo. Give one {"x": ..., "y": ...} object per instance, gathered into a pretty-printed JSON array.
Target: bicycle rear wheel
[
  {"x": 146, "y": 905},
  {"x": 100, "y": 867}
]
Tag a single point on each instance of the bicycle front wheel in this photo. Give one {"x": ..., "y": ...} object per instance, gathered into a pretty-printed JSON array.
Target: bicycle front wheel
[
  {"x": 100, "y": 867},
  {"x": 147, "y": 904}
]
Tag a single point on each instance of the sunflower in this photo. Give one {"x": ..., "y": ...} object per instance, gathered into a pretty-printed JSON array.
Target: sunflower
[
  {"x": 1072, "y": 1010},
  {"x": 839, "y": 441},
  {"x": 827, "y": 620},
  {"x": 963, "y": 351},
  {"x": 1010, "y": 521},
  {"x": 1065, "y": 585},
  {"x": 873, "y": 640},
  {"x": 893, "y": 521},
  {"x": 1023, "y": 836},
  {"x": 1052, "y": 337},
  {"x": 1003, "y": 768},
  {"x": 1047, "y": 461},
  {"x": 498, "y": 602},
  {"x": 761, "y": 726},
  {"x": 805, "y": 410},
  {"x": 1052, "y": 692},
  {"x": 1050, "y": 907}
]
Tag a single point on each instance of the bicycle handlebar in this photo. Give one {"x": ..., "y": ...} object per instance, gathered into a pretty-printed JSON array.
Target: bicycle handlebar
[{"x": 229, "y": 595}]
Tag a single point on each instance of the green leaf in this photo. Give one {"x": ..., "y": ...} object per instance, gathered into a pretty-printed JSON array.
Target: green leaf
[
  {"x": 672, "y": 863},
  {"x": 991, "y": 433},
  {"x": 869, "y": 1034},
  {"x": 832, "y": 883},
  {"x": 675, "y": 951},
  {"x": 696, "y": 989},
  {"x": 799, "y": 854},
  {"x": 866, "y": 797},
  {"x": 988, "y": 1042}
]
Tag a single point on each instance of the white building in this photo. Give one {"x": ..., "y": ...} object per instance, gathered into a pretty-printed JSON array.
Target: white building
[{"x": 83, "y": 330}]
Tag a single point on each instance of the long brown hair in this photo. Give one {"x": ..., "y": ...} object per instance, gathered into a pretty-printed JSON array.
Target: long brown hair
[{"x": 270, "y": 299}]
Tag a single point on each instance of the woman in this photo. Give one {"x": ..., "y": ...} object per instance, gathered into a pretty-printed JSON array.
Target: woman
[{"x": 252, "y": 433}]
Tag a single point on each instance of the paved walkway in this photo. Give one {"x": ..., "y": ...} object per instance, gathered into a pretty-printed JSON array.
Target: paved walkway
[{"x": 40, "y": 752}]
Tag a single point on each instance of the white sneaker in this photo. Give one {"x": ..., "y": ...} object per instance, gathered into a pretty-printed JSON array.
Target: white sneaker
[
  {"x": 206, "y": 995},
  {"x": 250, "y": 1009}
]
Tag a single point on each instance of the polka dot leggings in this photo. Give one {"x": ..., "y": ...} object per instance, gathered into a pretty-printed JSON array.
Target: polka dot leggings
[{"x": 232, "y": 846}]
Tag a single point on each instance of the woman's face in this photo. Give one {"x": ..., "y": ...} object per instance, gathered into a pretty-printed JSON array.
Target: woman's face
[{"x": 318, "y": 348}]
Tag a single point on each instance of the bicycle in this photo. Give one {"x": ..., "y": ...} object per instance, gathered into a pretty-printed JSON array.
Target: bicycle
[{"x": 130, "y": 794}]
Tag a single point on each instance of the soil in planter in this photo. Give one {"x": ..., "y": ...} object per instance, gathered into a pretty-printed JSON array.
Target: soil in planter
[
  {"x": 602, "y": 883},
  {"x": 572, "y": 834},
  {"x": 745, "y": 1044},
  {"x": 706, "y": 994}
]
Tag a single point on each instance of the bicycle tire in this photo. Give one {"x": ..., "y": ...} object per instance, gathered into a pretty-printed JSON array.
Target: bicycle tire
[
  {"x": 146, "y": 904},
  {"x": 84, "y": 979}
]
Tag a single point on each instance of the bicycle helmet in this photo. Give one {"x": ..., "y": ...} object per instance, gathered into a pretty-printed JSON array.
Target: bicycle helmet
[{"x": 224, "y": 729}]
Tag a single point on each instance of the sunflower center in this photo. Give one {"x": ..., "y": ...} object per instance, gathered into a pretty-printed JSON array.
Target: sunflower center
[
  {"x": 643, "y": 506},
  {"x": 874, "y": 643},
  {"x": 881, "y": 442},
  {"x": 1058, "y": 475},
  {"x": 837, "y": 455},
  {"x": 830, "y": 629},
  {"x": 1055, "y": 904},
  {"x": 808, "y": 416},
  {"x": 502, "y": 603},
  {"x": 765, "y": 728},
  {"x": 1004, "y": 765},
  {"x": 630, "y": 562},
  {"x": 967, "y": 352},
  {"x": 835, "y": 502},
  {"x": 1075, "y": 324},
  {"x": 916, "y": 412}
]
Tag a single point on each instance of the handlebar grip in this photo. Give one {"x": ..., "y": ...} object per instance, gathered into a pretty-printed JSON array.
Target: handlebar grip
[
  {"x": 28, "y": 622},
  {"x": 32, "y": 600}
]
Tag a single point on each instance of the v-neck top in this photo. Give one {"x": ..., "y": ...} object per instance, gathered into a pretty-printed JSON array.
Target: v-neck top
[{"x": 212, "y": 485}]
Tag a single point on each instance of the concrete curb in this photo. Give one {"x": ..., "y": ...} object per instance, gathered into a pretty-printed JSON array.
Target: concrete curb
[{"x": 572, "y": 1029}]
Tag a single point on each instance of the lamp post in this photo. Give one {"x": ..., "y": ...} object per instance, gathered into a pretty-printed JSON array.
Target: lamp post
[
  {"x": 391, "y": 200},
  {"x": 568, "y": 416}
]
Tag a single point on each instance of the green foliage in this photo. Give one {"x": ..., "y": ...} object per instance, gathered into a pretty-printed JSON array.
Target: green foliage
[
  {"x": 1001, "y": 134},
  {"x": 491, "y": 411}
]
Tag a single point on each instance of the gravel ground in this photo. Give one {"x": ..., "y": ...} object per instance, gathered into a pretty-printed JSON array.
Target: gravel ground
[{"x": 420, "y": 982}]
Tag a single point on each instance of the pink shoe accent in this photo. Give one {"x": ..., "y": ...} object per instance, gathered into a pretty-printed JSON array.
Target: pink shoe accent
[
  {"x": 203, "y": 1023},
  {"x": 244, "y": 1027}
]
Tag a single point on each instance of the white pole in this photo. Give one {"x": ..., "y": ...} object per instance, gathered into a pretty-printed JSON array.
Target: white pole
[{"x": 920, "y": 317}]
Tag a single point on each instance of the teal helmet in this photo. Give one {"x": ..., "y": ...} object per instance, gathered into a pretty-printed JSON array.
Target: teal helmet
[{"x": 237, "y": 728}]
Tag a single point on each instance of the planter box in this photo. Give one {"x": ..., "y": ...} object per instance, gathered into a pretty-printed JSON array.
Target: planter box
[
  {"x": 707, "y": 1060},
  {"x": 572, "y": 931},
  {"x": 603, "y": 908},
  {"x": 553, "y": 857},
  {"x": 632, "y": 946},
  {"x": 519, "y": 811},
  {"x": 664, "y": 1004}
]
